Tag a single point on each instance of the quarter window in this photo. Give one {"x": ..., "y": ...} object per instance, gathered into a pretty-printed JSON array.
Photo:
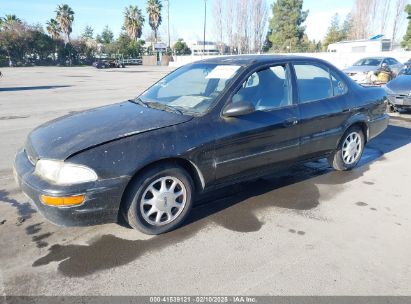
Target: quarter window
[
  {"x": 267, "y": 89},
  {"x": 339, "y": 86}
]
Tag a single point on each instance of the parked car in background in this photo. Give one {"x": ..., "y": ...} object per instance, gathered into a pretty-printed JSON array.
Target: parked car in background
[
  {"x": 204, "y": 126},
  {"x": 399, "y": 90},
  {"x": 108, "y": 63},
  {"x": 360, "y": 70},
  {"x": 407, "y": 65}
]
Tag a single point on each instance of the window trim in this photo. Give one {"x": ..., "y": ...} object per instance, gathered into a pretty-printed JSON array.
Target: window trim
[
  {"x": 291, "y": 93},
  {"x": 324, "y": 67}
]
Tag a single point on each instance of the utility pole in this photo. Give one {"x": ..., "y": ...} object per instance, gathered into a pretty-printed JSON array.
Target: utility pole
[{"x": 205, "y": 24}]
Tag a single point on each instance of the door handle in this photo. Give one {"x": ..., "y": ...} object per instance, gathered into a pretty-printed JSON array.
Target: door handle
[{"x": 291, "y": 122}]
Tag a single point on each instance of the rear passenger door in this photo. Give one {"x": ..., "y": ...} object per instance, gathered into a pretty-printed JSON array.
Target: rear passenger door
[{"x": 322, "y": 103}]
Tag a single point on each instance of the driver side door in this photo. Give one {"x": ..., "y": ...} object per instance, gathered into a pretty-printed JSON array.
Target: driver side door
[{"x": 265, "y": 138}]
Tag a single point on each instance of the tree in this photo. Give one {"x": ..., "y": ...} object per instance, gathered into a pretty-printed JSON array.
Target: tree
[
  {"x": 154, "y": 15},
  {"x": 361, "y": 15},
  {"x": 336, "y": 32},
  {"x": 258, "y": 21},
  {"x": 347, "y": 27},
  {"x": 228, "y": 24},
  {"x": 53, "y": 28},
  {"x": 406, "y": 43},
  {"x": 287, "y": 25},
  {"x": 267, "y": 43},
  {"x": 106, "y": 36},
  {"x": 218, "y": 21},
  {"x": 181, "y": 48},
  {"x": 133, "y": 22},
  {"x": 397, "y": 21},
  {"x": 65, "y": 17},
  {"x": 9, "y": 21},
  {"x": 88, "y": 33}
]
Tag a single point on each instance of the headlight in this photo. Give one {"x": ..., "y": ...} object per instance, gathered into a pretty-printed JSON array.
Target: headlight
[{"x": 62, "y": 173}]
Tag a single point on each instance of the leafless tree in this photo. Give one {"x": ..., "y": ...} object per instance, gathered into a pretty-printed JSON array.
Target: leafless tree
[
  {"x": 397, "y": 21},
  {"x": 363, "y": 12},
  {"x": 228, "y": 23},
  {"x": 379, "y": 15},
  {"x": 243, "y": 20},
  {"x": 218, "y": 11},
  {"x": 259, "y": 14}
]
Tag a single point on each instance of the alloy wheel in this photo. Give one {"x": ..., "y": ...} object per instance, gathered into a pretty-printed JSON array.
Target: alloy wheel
[
  {"x": 163, "y": 201},
  {"x": 352, "y": 148}
]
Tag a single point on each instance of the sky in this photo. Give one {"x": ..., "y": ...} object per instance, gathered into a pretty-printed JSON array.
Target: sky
[{"x": 186, "y": 16}]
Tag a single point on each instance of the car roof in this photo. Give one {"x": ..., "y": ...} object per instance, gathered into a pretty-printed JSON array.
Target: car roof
[
  {"x": 379, "y": 58},
  {"x": 255, "y": 59}
]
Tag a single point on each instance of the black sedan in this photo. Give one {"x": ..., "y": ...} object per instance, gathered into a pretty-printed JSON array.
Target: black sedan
[
  {"x": 204, "y": 126},
  {"x": 399, "y": 90}
]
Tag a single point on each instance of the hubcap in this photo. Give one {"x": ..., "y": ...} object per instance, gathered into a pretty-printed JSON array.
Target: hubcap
[
  {"x": 163, "y": 201},
  {"x": 351, "y": 150}
]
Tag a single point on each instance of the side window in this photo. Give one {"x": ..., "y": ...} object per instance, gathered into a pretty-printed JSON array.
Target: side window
[
  {"x": 392, "y": 61},
  {"x": 314, "y": 83},
  {"x": 339, "y": 86},
  {"x": 267, "y": 89}
]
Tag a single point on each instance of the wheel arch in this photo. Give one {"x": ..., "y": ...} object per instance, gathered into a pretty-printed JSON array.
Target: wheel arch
[
  {"x": 189, "y": 166},
  {"x": 359, "y": 121}
]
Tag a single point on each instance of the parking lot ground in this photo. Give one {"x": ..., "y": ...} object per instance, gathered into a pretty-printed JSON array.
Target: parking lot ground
[{"x": 305, "y": 231}]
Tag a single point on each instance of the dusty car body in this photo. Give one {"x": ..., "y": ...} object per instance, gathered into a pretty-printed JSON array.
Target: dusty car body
[
  {"x": 148, "y": 161},
  {"x": 399, "y": 90},
  {"x": 360, "y": 70}
]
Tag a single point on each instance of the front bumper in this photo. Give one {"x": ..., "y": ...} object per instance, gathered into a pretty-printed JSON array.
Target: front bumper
[
  {"x": 102, "y": 202},
  {"x": 400, "y": 101}
]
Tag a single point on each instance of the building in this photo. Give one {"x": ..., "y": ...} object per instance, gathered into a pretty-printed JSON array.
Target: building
[
  {"x": 375, "y": 44},
  {"x": 210, "y": 48}
]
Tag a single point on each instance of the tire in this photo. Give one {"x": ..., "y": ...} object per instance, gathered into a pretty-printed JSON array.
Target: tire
[
  {"x": 159, "y": 200},
  {"x": 349, "y": 151}
]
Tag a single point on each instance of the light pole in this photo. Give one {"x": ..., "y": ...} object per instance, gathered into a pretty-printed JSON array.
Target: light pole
[{"x": 205, "y": 23}]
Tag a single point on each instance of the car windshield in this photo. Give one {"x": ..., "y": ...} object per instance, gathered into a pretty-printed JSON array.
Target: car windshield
[
  {"x": 191, "y": 89},
  {"x": 368, "y": 62},
  {"x": 406, "y": 70}
]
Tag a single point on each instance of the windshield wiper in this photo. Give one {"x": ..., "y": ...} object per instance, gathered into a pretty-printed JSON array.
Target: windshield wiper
[
  {"x": 139, "y": 101},
  {"x": 162, "y": 106}
]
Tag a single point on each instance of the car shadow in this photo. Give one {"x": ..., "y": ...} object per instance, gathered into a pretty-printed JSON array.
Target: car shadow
[
  {"x": 13, "y": 89},
  {"x": 241, "y": 208}
]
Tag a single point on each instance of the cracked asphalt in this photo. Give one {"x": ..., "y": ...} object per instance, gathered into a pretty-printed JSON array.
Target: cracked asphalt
[{"x": 305, "y": 231}]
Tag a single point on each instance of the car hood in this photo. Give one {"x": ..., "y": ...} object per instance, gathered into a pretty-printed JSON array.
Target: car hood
[
  {"x": 65, "y": 136},
  {"x": 360, "y": 69},
  {"x": 400, "y": 84}
]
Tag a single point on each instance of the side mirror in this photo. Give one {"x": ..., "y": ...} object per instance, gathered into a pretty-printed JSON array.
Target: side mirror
[{"x": 240, "y": 108}]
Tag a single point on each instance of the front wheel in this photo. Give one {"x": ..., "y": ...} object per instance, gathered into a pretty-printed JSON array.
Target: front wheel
[
  {"x": 349, "y": 151},
  {"x": 159, "y": 200}
]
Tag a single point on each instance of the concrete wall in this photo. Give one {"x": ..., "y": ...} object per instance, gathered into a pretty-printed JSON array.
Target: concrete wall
[{"x": 340, "y": 60}]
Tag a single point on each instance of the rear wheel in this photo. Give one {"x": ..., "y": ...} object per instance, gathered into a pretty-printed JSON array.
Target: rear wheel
[
  {"x": 159, "y": 200},
  {"x": 349, "y": 151}
]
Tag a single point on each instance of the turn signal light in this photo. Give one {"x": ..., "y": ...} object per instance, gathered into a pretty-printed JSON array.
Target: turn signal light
[{"x": 63, "y": 201}]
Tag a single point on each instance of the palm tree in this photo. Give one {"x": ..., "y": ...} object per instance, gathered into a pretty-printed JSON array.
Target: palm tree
[
  {"x": 154, "y": 15},
  {"x": 65, "y": 17},
  {"x": 53, "y": 28},
  {"x": 133, "y": 22},
  {"x": 9, "y": 21}
]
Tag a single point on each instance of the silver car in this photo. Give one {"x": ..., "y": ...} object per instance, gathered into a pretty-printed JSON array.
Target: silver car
[{"x": 362, "y": 67}]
